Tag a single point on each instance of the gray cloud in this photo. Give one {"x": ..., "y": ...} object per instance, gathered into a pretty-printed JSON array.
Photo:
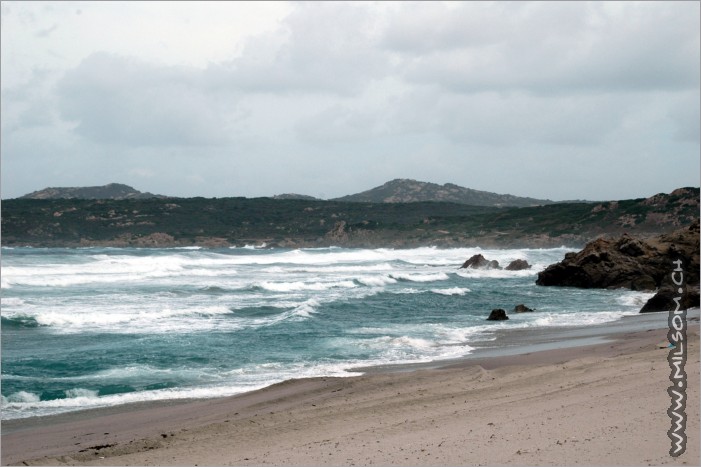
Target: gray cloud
[
  {"x": 535, "y": 99},
  {"x": 118, "y": 100},
  {"x": 314, "y": 52},
  {"x": 46, "y": 32},
  {"x": 550, "y": 48}
]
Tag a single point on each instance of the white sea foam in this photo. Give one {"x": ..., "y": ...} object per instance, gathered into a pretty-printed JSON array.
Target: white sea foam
[
  {"x": 470, "y": 273},
  {"x": 407, "y": 290},
  {"x": 11, "y": 301},
  {"x": 635, "y": 299},
  {"x": 78, "y": 393},
  {"x": 23, "y": 397},
  {"x": 451, "y": 291},
  {"x": 408, "y": 349}
]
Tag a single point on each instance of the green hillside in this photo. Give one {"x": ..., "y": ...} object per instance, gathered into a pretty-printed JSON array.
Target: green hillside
[{"x": 309, "y": 223}]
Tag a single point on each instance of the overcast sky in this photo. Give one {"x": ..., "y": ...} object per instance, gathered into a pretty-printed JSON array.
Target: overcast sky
[{"x": 568, "y": 100}]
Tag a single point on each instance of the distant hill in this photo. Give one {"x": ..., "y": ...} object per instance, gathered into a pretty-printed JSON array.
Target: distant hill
[
  {"x": 411, "y": 191},
  {"x": 109, "y": 191}
]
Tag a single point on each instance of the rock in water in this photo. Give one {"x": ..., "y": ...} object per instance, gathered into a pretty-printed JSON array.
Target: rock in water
[
  {"x": 628, "y": 262},
  {"x": 497, "y": 314},
  {"x": 663, "y": 300},
  {"x": 522, "y": 308},
  {"x": 480, "y": 262},
  {"x": 518, "y": 265}
]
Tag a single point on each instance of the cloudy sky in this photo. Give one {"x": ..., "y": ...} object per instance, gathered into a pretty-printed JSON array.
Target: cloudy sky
[{"x": 568, "y": 100}]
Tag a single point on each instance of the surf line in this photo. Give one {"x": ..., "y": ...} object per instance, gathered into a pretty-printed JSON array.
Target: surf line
[{"x": 676, "y": 358}]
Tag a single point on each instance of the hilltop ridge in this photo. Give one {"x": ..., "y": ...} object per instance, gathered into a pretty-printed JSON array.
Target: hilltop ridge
[
  {"x": 109, "y": 191},
  {"x": 402, "y": 190}
]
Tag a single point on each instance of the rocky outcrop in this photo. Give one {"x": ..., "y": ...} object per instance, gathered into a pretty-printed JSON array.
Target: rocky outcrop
[
  {"x": 518, "y": 265},
  {"x": 497, "y": 314},
  {"x": 339, "y": 232},
  {"x": 628, "y": 262},
  {"x": 480, "y": 262},
  {"x": 522, "y": 308},
  {"x": 664, "y": 299}
]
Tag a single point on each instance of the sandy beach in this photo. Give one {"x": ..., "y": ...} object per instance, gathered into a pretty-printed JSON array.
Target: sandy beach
[{"x": 603, "y": 404}]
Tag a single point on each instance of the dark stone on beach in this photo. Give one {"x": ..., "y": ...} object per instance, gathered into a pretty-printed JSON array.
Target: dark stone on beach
[
  {"x": 522, "y": 308},
  {"x": 497, "y": 314},
  {"x": 480, "y": 262},
  {"x": 518, "y": 265},
  {"x": 629, "y": 263},
  {"x": 663, "y": 300}
]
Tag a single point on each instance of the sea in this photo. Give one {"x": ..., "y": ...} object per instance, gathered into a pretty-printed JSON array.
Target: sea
[{"x": 99, "y": 327}]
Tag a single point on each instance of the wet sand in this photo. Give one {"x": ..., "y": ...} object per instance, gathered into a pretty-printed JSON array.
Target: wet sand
[{"x": 603, "y": 404}]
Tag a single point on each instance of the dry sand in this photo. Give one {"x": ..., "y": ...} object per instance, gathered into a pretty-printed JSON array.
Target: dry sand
[{"x": 604, "y": 405}]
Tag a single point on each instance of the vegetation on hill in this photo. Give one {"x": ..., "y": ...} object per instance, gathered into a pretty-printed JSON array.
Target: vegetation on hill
[{"x": 314, "y": 223}]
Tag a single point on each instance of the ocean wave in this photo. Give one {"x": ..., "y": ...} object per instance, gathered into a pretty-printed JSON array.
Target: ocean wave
[
  {"x": 430, "y": 277},
  {"x": 375, "y": 281},
  {"x": 299, "y": 285},
  {"x": 14, "y": 408},
  {"x": 19, "y": 321},
  {"x": 21, "y": 397},
  {"x": 124, "y": 320}
]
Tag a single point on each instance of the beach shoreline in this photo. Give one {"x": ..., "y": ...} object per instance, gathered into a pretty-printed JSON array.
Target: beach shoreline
[{"x": 443, "y": 406}]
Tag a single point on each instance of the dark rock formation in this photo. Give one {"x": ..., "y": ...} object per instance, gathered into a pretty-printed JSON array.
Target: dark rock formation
[
  {"x": 480, "y": 262},
  {"x": 522, "y": 308},
  {"x": 518, "y": 265},
  {"x": 663, "y": 300},
  {"x": 497, "y": 314},
  {"x": 627, "y": 262}
]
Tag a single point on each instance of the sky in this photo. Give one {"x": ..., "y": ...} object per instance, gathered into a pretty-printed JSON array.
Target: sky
[{"x": 556, "y": 100}]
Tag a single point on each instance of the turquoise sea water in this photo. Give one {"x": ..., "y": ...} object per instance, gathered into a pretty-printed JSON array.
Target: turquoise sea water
[{"x": 97, "y": 327}]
